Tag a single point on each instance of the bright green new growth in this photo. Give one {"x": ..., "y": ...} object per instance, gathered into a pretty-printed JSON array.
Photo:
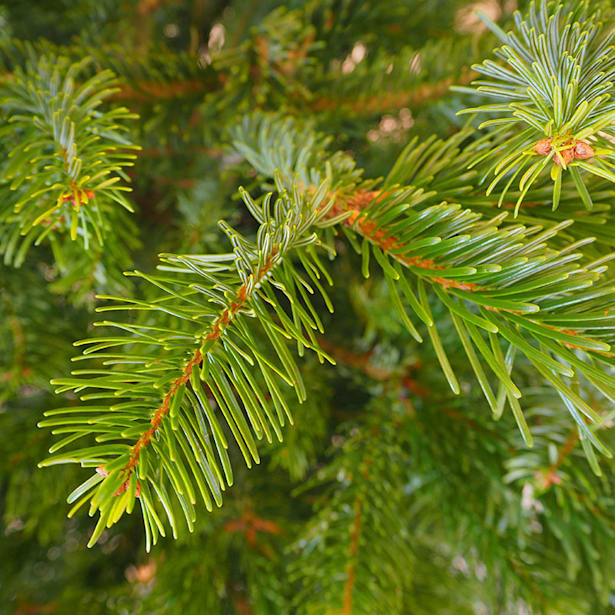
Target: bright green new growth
[
  {"x": 556, "y": 84},
  {"x": 62, "y": 176}
]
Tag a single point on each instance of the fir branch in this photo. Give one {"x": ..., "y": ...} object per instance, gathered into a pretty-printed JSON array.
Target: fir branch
[
  {"x": 355, "y": 554},
  {"x": 354, "y": 544},
  {"x": 387, "y": 101},
  {"x": 61, "y": 177},
  {"x": 528, "y": 295},
  {"x": 556, "y": 113},
  {"x": 182, "y": 456}
]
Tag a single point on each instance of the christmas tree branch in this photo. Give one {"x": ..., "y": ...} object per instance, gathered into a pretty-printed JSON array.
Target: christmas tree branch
[{"x": 223, "y": 365}]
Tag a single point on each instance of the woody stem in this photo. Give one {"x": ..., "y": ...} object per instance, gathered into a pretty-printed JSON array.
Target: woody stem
[{"x": 215, "y": 331}]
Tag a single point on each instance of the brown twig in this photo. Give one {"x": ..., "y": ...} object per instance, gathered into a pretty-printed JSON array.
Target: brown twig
[
  {"x": 355, "y": 533},
  {"x": 214, "y": 334},
  {"x": 145, "y": 91},
  {"x": 386, "y": 101},
  {"x": 360, "y": 361},
  {"x": 248, "y": 525},
  {"x": 360, "y": 200}
]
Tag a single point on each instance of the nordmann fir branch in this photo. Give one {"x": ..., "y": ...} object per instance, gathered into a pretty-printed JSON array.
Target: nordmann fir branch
[
  {"x": 215, "y": 331},
  {"x": 527, "y": 288},
  {"x": 62, "y": 177},
  {"x": 358, "y": 480},
  {"x": 553, "y": 89},
  {"x": 222, "y": 365},
  {"x": 354, "y": 542},
  {"x": 361, "y": 200}
]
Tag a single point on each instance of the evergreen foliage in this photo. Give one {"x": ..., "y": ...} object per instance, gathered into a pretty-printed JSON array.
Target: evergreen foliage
[
  {"x": 65, "y": 157},
  {"x": 371, "y": 370}
]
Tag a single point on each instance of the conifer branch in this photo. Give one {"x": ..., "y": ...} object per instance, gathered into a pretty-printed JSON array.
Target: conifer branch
[
  {"x": 334, "y": 558},
  {"x": 527, "y": 294},
  {"x": 61, "y": 178},
  {"x": 173, "y": 447},
  {"x": 555, "y": 80},
  {"x": 354, "y": 546}
]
